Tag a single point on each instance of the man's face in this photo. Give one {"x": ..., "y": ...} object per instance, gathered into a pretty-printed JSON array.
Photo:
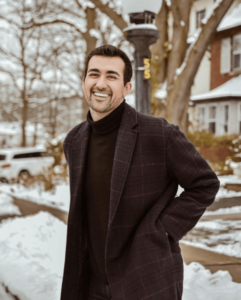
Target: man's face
[{"x": 104, "y": 85}]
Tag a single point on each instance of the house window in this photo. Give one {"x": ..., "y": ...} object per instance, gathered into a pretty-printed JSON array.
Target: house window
[
  {"x": 212, "y": 119},
  {"x": 200, "y": 15},
  {"x": 224, "y": 120},
  {"x": 230, "y": 54},
  {"x": 237, "y": 52},
  {"x": 201, "y": 115}
]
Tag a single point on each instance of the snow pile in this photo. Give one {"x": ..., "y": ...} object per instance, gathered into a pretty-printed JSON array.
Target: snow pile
[
  {"x": 4, "y": 295},
  {"x": 7, "y": 207},
  {"x": 32, "y": 256},
  {"x": 200, "y": 284},
  {"x": 221, "y": 236}
]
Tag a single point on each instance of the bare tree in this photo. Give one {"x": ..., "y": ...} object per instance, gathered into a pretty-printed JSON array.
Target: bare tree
[{"x": 33, "y": 55}]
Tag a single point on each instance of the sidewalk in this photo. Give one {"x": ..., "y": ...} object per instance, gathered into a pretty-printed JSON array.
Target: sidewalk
[{"x": 30, "y": 208}]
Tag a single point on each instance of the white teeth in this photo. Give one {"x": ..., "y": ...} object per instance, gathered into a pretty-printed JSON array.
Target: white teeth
[{"x": 101, "y": 95}]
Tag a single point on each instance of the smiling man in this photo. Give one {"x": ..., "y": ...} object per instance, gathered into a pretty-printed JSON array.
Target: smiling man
[{"x": 125, "y": 220}]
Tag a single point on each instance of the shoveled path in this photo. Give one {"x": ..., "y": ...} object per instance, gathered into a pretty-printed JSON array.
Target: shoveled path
[{"x": 30, "y": 208}]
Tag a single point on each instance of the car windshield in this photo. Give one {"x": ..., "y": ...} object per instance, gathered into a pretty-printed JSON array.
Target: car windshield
[{"x": 2, "y": 157}]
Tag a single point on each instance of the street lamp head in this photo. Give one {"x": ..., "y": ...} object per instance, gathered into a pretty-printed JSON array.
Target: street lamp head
[{"x": 141, "y": 11}]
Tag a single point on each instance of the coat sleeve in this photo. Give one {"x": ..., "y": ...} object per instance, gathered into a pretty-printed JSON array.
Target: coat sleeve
[{"x": 193, "y": 174}]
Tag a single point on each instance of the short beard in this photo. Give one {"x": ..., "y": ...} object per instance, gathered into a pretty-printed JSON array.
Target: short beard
[{"x": 106, "y": 108}]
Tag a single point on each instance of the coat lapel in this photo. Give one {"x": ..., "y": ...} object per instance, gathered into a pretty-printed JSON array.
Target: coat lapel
[
  {"x": 78, "y": 159},
  {"x": 125, "y": 145}
]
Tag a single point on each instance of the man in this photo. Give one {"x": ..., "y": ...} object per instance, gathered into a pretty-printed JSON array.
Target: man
[{"x": 124, "y": 220}]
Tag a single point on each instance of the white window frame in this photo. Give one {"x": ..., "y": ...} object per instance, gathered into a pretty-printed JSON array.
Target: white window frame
[
  {"x": 235, "y": 52},
  {"x": 212, "y": 120},
  {"x": 203, "y": 125},
  {"x": 222, "y": 118}
]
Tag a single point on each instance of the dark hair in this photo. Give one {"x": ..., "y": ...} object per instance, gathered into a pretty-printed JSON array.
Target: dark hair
[{"x": 108, "y": 50}]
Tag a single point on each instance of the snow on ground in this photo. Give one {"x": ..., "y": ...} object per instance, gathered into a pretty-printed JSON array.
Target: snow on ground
[
  {"x": 200, "y": 284},
  {"x": 229, "y": 179},
  {"x": 221, "y": 236},
  {"x": 58, "y": 198},
  {"x": 4, "y": 295},
  {"x": 223, "y": 193},
  {"x": 223, "y": 211},
  {"x": 32, "y": 257},
  {"x": 7, "y": 207}
]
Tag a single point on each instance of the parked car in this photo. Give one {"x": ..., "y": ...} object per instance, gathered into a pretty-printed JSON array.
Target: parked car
[{"x": 20, "y": 163}]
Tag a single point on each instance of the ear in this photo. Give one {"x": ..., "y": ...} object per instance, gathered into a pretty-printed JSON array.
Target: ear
[{"x": 127, "y": 88}]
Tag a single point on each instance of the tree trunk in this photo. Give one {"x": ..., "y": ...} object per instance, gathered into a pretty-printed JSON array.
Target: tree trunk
[
  {"x": 90, "y": 45},
  {"x": 24, "y": 118}
]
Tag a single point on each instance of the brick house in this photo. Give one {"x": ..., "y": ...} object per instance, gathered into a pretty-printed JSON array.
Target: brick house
[{"x": 219, "y": 110}]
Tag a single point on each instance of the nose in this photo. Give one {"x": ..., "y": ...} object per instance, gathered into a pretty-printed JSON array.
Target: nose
[{"x": 101, "y": 83}]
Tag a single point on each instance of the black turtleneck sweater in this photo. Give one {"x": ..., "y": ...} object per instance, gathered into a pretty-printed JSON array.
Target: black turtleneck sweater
[{"x": 98, "y": 172}]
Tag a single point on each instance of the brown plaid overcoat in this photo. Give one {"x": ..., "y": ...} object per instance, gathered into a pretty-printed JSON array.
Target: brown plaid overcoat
[{"x": 151, "y": 158}]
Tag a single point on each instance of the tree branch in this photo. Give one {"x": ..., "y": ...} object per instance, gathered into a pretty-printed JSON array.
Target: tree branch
[
  {"x": 56, "y": 21},
  {"x": 117, "y": 19}
]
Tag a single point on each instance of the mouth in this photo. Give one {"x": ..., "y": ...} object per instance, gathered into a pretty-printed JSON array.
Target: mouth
[{"x": 101, "y": 95}]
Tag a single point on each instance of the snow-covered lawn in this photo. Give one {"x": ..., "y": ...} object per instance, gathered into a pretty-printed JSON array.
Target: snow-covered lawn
[
  {"x": 7, "y": 207},
  {"x": 32, "y": 256}
]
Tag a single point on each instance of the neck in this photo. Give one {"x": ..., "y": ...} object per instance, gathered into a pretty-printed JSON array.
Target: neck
[{"x": 96, "y": 116}]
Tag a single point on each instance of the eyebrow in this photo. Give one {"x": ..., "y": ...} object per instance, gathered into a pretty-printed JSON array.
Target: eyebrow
[{"x": 108, "y": 72}]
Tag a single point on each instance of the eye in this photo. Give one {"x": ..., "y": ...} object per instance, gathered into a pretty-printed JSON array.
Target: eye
[
  {"x": 111, "y": 77},
  {"x": 93, "y": 74}
]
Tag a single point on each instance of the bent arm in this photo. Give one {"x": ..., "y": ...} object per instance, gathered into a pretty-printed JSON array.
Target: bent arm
[{"x": 193, "y": 174}]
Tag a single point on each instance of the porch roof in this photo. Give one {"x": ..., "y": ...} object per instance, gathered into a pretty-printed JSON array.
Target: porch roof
[
  {"x": 231, "y": 20},
  {"x": 230, "y": 89}
]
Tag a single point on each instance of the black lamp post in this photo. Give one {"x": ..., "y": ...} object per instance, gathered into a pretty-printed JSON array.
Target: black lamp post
[{"x": 142, "y": 33}]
